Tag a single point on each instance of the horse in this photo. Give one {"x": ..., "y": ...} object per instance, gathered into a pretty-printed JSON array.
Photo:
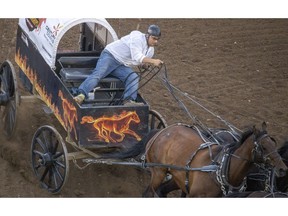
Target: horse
[
  {"x": 220, "y": 135},
  {"x": 189, "y": 160},
  {"x": 260, "y": 181}
]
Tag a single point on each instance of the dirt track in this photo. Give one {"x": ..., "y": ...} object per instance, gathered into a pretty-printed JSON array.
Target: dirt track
[{"x": 237, "y": 68}]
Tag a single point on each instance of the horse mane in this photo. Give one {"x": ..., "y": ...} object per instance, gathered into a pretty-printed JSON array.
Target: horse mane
[{"x": 247, "y": 132}]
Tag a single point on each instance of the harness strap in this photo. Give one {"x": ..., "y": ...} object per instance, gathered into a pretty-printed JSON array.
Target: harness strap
[
  {"x": 188, "y": 164},
  {"x": 222, "y": 173}
]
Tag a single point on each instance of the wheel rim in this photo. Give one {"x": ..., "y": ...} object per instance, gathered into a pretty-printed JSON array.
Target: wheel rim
[
  {"x": 8, "y": 112},
  {"x": 156, "y": 120},
  {"x": 49, "y": 159}
]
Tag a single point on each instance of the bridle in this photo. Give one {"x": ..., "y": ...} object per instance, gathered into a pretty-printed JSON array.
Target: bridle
[
  {"x": 258, "y": 148},
  {"x": 258, "y": 152}
]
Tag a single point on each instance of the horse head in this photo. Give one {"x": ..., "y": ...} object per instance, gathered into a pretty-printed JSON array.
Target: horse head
[
  {"x": 265, "y": 148},
  {"x": 87, "y": 119},
  {"x": 135, "y": 117}
]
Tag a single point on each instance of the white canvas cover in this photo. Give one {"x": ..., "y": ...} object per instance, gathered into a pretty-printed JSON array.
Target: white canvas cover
[{"x": 47, "y": 33}]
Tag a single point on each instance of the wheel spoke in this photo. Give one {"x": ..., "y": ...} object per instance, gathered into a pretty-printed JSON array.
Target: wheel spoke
[
  {"x": 9, "y": 80},
  {"x": 55, "y": 180},
  {"x": 54, "y": 150},
  {"x": 59, "y": 174},
  {"x": 11, "y": 118},
  {"x": 156, "y": 121},
  {"x": 38, "y": 153},
  {"x": 44, "y": 174},
  {"x": 160, "y": 125},
  {"x": 5, "y": 79},
  {"x": 152, "y": 122},
  {"x": 37, "y": 167},
  {"x": 42, "y": 145},
  {"x": 5, "y": 120},
  {"x": 47, "y": 139},
  {"x": 57, "y": 155},
  {"x": 59, "y": 164}
]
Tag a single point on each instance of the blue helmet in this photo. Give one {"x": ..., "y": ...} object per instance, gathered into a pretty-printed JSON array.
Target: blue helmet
[{"x": 154, "y": 30}]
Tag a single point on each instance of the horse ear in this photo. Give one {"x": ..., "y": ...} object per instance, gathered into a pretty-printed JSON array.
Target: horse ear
[
  {"x": 254, "y": 129},
  {"x": 264, "y": 126}
]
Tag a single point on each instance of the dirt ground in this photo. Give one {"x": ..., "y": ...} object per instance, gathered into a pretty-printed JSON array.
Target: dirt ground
[{"x": 235, "y": 68}]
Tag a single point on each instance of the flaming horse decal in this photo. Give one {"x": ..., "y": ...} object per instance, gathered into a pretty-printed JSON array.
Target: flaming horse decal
[
  {"x": 118, "y": 125},
  {"x": 69, "y": 114}
]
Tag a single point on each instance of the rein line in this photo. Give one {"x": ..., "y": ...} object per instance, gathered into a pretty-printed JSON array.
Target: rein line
[
  {"x": 171, "y": 89},
  {"x": 238, "y": 157}
]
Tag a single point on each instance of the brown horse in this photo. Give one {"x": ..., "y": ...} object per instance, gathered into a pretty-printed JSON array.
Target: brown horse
[{"x": 185, "y": 154}]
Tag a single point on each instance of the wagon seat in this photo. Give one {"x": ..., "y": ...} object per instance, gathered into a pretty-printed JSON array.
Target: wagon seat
[{"x": 75, "y": 69}]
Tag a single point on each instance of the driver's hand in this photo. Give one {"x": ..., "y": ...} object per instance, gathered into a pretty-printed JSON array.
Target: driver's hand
[
  {"x": 144, "y": 66},
  {"x": 157, "y": 62}
]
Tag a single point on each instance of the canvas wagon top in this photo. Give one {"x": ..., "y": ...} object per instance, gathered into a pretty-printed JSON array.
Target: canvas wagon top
[{"x": 47, "y": 33}]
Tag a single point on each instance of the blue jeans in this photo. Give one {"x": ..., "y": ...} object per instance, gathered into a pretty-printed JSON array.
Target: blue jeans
[{"x": 108, "y": 65}]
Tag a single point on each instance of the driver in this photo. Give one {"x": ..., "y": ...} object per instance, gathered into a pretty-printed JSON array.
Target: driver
[{"x": 118, "y": 58}]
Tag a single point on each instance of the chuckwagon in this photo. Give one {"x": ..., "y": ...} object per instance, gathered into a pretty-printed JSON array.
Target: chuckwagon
[
  {"x": 103, "y": 125},
  {"x": 100, "y": 124}
]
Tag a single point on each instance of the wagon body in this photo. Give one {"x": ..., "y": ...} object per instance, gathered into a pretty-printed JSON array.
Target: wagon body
[
  {"x": 99, "y": 125},
  {"x": 41, "y": 69}
]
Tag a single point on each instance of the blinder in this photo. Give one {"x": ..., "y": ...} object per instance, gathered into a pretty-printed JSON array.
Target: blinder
[{"x": 258, "y": 151}]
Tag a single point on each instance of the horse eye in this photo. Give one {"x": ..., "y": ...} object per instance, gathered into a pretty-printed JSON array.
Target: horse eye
[{"x": 263, "y": 148}]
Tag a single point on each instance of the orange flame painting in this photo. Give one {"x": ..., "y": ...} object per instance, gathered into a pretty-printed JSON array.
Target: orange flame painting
[
  {"x": 69, "y": 114},
  {"x": 32, "y": 76},
  {"x": 118, "y": 125}
]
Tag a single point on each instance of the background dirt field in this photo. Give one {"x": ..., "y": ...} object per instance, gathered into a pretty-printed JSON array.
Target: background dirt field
[{"x": 236, "y": 68}]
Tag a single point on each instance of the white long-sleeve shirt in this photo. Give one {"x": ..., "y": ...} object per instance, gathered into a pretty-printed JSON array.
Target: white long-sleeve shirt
[{"x": 131, "y": 49}]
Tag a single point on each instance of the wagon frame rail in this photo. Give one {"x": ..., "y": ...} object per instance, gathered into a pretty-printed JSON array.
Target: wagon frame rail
[{"x": 144, "y": 165}]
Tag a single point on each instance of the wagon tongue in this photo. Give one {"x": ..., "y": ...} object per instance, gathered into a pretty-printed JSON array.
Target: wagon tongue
[{"x": 4, "y": 99}]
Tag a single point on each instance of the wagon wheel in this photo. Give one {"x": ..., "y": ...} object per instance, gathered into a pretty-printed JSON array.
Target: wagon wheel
[
  {"x": 156, "y": 120},
  {"x": 9, "y": 99},
  {"x": 49, "y": 158}
]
